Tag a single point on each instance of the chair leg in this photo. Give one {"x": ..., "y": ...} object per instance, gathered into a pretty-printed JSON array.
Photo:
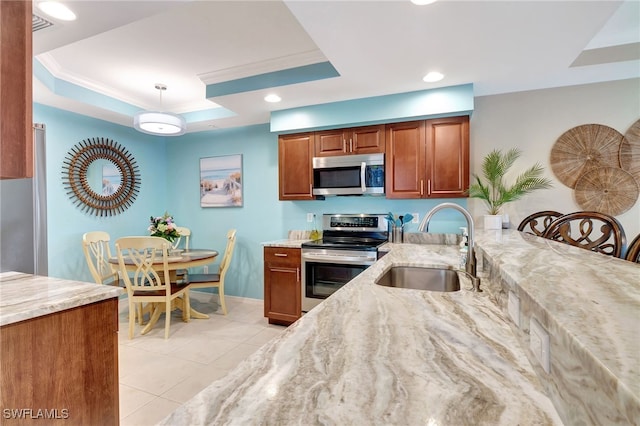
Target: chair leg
[
  {"x": 221, "y": 297},
  {"x": 167, "y": 319},
  {"x": 132, "y": 317}
]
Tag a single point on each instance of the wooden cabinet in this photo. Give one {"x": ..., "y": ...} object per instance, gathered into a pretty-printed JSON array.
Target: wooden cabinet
[
  {"x": 358, "y": 140},
  {"x": 427, "y": 159},
  {"x": 16, "y": 134},
  {"x": 282, "y": 285},
  {"x": 295, "y": 174},
  {"x": 64, "y": 364}
]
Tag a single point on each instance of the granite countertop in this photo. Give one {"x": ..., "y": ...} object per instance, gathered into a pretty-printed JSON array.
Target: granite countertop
[
  {"x": 285, "y": 243},
  {"x": 377, "y": 355},
  {"x": 26, "y": 296}
]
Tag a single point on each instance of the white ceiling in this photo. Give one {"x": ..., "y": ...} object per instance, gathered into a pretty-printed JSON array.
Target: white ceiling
[{"x": 121, "y": 49}]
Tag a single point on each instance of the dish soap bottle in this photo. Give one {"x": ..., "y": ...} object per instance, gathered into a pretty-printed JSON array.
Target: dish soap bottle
[{"x": 464, "y": 249}]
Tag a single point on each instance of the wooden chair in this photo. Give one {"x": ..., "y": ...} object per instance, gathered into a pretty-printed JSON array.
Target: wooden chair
[
  {"x": 633, "y": 251},
  {"x": 185, "y": 235},
  {"x": 589, "y": 230},
  {"x": 95, "y": 246},
  {"x": 217, "y": 280},
  {"x": 538, "y": 222},
  {"x": 144, "y": 283}
]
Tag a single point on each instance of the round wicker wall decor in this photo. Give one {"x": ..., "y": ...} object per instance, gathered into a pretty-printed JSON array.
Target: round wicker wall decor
[
  {"x": 609, "y": 190},
  {"x": 630, "y": 151},
  {"x": 583, "y": 148},
  {"x": 74, "y": 176}
]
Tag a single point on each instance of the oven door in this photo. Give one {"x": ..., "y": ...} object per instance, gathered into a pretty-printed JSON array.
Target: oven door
[{"x": 325, "y": 271}]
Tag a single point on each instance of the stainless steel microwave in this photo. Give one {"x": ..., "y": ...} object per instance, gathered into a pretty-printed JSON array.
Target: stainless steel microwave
[{"x": 349, "y": 175}]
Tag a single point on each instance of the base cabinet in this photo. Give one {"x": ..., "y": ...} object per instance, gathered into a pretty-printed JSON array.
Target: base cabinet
[
  {"x": 61, "y": 368},
  {"x": 282, "y": 285}
]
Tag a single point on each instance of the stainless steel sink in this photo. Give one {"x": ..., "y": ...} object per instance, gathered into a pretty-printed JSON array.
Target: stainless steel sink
[{"x": 432, "y": 279}]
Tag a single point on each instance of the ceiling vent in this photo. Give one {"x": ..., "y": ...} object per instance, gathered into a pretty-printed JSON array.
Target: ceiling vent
[{"x": 39, "y": 23}]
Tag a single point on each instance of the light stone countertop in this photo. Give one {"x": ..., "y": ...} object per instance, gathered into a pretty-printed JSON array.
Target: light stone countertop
[
  {"x": 26, "y": 296},
  {"x": 384, "y": 356},
  {"x": 589, "y": 304}
]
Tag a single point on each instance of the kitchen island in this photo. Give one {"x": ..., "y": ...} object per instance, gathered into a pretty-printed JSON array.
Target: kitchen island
[
  {"x": 378, "y": 355},
  {"x": 58, "y": 351}
]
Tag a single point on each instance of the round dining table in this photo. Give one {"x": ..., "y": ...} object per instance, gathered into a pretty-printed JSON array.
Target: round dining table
[{"x": 177, "y": 260}]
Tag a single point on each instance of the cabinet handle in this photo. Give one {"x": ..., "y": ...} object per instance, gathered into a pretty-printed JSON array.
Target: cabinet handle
[
  {"x": 297, "y": 274},
  {"x": 350, "y": 145},
  {"x": 429, "y": 187},
  {"x": 311, "y": 189},
  {"x": 421, "y": 187},
  {"x": 281, "y": 254},
  {"x": 344, "y": 145}
]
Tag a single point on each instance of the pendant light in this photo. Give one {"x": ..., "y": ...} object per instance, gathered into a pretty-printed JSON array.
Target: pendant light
[{"x": 160, "y": 123}]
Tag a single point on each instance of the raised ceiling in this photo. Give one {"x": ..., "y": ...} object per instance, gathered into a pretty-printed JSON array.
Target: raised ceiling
[{"x": 220, "y": 58}]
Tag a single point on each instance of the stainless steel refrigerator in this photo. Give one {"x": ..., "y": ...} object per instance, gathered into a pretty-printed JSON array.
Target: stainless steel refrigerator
[{"x": 23, "y": 216}]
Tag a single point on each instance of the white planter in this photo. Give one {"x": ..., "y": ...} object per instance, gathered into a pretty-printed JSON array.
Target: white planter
[{"x": 493, "y": 221}]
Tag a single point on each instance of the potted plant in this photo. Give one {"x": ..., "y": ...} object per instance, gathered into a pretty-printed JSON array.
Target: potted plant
[{"x": 493, "y": 190}]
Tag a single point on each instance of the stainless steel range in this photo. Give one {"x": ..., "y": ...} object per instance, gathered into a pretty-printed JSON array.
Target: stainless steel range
[{"x": 349, "y": 245}]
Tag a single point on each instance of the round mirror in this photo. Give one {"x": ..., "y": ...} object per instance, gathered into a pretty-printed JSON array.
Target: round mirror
[{"x": 101, "y": 176}]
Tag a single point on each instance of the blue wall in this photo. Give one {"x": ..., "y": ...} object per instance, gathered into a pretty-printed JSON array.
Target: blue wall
[{"x": 169, "y": 168}]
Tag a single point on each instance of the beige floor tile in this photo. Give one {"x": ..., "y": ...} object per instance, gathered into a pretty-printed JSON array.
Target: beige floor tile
[
  {"x": 132, "y": 399},
  {"x": 151, "y": 413},
  {"x": 186, "y": 389},
  {"x": 232, "y": 358},
  {"x": 158, "y": 374}
]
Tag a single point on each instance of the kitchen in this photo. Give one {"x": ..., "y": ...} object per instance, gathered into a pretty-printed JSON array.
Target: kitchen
[{"x": 531, "y": 120}]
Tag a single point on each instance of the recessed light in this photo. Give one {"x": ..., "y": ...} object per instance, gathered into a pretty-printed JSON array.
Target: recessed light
[
  {"x": 57, "y": 10},
  {"x": 432, "y": 77},
  {"x": 423, "y": 2},
  {"x": 272, "y": 98}
]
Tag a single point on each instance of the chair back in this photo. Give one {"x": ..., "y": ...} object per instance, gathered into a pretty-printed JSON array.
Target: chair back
[
  {"x": 589, "y": 230},
  {"x": 228, "y": 253},
  {"x": 140, "y": 254},
  {"x": 185, "y": 235},
  {"x": 538, "y": 222},
  {"x": 95, "y": 246},
  {"x": 633, "y": 251}
]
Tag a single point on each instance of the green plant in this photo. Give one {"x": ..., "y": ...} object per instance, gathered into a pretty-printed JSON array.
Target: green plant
[{"x": 494, "y": 192}]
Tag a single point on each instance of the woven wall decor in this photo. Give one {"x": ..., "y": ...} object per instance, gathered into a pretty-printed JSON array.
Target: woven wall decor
[
  {"x": 630, "y": 151},
  {"x": 74, "y": 176},
  {"x": 583, "y": 148},
  {"x": 609, "y": 190}
]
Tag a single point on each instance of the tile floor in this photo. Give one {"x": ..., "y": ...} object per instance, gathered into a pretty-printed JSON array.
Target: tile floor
[{"x": 157, "y": 375}]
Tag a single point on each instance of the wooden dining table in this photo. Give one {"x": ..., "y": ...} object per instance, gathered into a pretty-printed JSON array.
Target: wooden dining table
[{"x": 177, "y": 259}]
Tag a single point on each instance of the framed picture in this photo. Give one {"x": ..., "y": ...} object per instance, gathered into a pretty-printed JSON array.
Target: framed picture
[{"x": 221, "y": 181}]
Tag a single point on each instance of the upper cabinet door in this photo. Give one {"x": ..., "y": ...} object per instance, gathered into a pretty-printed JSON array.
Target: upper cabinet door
[
  {"x": 447, "y": 157},
  {"x": 405, "y": 160},
  {"x": 359, "y": 140},
  {"x": 330, "y": 142},
  {"x": 294, "y": 167},
  {"x": 367, "y": 140},
  {"x": 428, "y": 159}
]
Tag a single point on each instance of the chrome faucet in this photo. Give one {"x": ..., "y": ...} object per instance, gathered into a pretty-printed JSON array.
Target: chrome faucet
[{"x": 470, "y": 266}]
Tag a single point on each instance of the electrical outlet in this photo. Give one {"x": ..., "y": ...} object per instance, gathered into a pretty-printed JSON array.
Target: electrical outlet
[
  {"x": 539, "y": 343},
  {"x": 310, "y": 217},
  {"x": 416, "y": 217},
  {"x": 513, "y": 306},
  {"x": 206, "y": 269}
]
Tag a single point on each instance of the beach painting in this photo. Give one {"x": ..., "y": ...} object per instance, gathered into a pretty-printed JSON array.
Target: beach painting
[
  {"x": 221, "y": 181},
  {"x": 111, "y": 179}
]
